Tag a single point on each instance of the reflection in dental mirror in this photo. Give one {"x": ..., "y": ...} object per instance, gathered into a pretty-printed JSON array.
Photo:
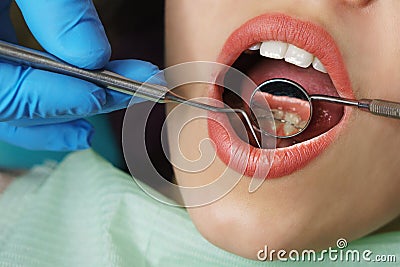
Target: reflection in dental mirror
[{"x": 290, "y": 107}]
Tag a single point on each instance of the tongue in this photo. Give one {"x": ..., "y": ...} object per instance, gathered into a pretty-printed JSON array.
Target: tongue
[
  {"x": 325, "y": 115},
  {"x": 313, "y": 81}
]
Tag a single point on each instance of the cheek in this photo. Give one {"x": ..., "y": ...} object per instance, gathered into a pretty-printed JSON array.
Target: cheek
[
  {"x": 371, "y": 45},
  {"x": 185, "y": 39},
  {"x": 192, "y": 153},
  {"x": 197, "y": 30}
]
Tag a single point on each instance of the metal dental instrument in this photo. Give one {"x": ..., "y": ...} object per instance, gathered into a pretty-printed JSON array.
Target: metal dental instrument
[
  {"x": 107, "y": 79},
  {"x": 283, "y": 92}
]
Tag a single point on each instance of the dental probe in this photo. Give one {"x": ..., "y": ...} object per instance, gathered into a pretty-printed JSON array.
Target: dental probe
[
  {"x": 375, "y": 106},
  {"x": 107, "y": 79},
  {"x": 280, "y": 87}
]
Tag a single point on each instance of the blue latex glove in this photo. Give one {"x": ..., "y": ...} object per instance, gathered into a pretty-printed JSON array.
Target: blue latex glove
[{"x": 41, "y": 110}]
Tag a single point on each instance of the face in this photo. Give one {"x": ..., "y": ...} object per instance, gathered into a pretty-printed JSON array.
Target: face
[{"x": 338, "y": 181}]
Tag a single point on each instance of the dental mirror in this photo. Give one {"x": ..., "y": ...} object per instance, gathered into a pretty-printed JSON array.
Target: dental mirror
[{"x": 291, "y": 107}]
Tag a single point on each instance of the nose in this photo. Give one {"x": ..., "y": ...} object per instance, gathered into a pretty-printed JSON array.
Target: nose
[{"x": 357, "y": 3}]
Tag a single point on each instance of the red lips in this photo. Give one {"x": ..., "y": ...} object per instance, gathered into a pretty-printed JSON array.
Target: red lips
[{"x": 254, "y": 162}]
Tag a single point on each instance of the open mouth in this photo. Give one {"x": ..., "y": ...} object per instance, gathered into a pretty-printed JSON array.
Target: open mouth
[
  {"x": 278, "y": 46},
  {"x": 272, "y": 59}
]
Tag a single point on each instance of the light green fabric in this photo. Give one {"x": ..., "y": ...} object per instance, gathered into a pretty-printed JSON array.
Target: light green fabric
[{"x": 85, "y": 212}]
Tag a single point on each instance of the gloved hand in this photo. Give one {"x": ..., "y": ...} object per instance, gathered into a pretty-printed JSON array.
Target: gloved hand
[{"x": 41, "y": 110}]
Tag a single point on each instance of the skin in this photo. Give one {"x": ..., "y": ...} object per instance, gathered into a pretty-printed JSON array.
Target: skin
[{"x": 352, "y": 188}]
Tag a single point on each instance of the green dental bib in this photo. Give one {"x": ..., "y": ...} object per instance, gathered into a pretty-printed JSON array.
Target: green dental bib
[{"x": 85, "y": 212}]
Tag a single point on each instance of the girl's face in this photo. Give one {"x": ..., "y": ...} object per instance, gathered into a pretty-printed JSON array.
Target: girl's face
[{"x": 341, "y": 180}]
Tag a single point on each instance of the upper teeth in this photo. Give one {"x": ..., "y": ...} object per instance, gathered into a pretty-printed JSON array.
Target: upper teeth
[{"x": 292, "y": 54}]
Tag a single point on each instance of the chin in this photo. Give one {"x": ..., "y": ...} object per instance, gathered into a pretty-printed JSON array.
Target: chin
[{"x": 243, "y": 224}]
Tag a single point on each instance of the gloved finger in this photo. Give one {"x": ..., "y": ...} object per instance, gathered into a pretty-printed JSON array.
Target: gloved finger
[
  {"x": 31, "y": 93},
  {"x": 137, "y": 70},
  {"x": 7, "y": 32},
  {"x": 69, "y": 136},
  {"x": 42, "y": 121},
  {"x": 68, "y": 29}
]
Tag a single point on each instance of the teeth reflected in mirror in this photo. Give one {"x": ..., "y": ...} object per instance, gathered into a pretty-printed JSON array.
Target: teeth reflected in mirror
[{"x": 288, "y": 104}]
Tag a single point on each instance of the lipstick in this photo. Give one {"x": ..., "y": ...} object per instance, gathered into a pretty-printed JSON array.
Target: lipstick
[{"x": 255, "y": 162}]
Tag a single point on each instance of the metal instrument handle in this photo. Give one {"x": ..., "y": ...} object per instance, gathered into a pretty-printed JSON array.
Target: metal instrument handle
[
  {"x": 375, "y": 106},
  {"x": 103, "y": 78},
  {"x": 384, "y": 108}
]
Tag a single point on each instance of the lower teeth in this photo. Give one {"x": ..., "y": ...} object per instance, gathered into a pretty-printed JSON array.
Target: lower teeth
[
  {"x": 291, "y": 122},
  {"x": 288, "y": 122}
]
